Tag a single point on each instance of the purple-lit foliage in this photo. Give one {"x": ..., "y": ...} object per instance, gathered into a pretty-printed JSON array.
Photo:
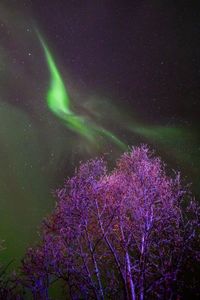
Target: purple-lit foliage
[{"x": 132, "y": 233}]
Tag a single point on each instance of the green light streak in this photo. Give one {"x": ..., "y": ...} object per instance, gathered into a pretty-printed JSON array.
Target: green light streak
[
  {"x": 58, "y": 100},
  {"x": 113, "y": 138},
  {"x": 161, "y": 133},
  {"x": 57, "y": 97},
  {"x": 176, "y": 141},
  {"x": 59, "y": 103}
]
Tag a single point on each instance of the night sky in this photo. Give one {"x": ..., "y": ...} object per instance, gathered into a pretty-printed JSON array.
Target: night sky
[{"x": 130, "y": 68}]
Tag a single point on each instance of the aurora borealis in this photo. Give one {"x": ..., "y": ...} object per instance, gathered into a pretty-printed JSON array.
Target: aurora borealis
[
  {"x": 96, "y": 78},
  {"x": 59, "y": 103}
]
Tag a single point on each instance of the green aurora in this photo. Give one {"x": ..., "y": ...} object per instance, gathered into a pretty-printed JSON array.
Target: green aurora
[
  {"x": 59, "y": 103},
  {"x": 37, "y": 152},
  {"x": 171, "y": 139}
]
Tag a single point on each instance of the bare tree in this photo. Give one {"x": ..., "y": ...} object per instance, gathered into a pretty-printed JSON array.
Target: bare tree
[{"x": 132, "y": 233}]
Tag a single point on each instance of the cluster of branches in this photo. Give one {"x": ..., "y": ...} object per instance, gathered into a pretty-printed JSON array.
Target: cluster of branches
[{"x": 133, "y": 233}]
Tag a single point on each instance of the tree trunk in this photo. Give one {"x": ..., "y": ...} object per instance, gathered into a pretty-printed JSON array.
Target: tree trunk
[{"x": 129, "y": 281}]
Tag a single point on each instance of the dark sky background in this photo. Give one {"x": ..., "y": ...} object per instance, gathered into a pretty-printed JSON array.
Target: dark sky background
[{"x": 131, "y": 66}]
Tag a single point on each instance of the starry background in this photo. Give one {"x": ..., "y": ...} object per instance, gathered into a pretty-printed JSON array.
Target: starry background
[{"x": 131, "y": 66}]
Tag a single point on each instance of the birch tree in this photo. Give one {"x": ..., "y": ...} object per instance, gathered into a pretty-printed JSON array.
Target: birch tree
[{"x": 132, "y": 233}]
